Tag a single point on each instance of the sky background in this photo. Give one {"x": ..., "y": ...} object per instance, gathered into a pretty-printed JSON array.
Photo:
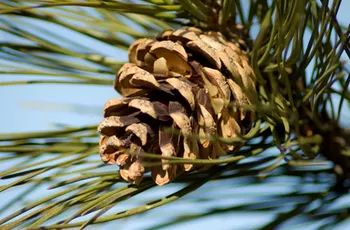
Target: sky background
[{"x": 46, "y": 107}]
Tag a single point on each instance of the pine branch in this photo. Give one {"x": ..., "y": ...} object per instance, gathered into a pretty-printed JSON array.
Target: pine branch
[{"x": 295, "y": 105}]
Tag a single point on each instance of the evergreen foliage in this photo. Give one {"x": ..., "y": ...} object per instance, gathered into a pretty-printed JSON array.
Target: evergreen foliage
[{"x": 300, "y": 55}]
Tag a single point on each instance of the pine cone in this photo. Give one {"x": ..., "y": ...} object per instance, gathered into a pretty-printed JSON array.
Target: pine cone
[{"x": 179, "y": 90}]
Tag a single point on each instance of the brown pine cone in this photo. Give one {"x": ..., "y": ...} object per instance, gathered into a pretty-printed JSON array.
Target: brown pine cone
[{"x": 179, "y": 90}]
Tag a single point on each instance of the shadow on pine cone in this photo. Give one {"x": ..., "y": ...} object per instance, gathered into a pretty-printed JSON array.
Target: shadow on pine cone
[{"x": 179, "y": 89}]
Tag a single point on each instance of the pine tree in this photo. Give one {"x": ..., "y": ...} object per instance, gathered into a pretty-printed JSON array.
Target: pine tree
[{"x": 243, "y": 95}]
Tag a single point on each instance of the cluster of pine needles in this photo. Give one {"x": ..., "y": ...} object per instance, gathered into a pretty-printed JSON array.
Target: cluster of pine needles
[{"x": 300, "y": 55}]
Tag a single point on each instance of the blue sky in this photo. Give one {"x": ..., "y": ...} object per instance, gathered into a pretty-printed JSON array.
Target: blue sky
[{"x": 45, "y": 107}]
